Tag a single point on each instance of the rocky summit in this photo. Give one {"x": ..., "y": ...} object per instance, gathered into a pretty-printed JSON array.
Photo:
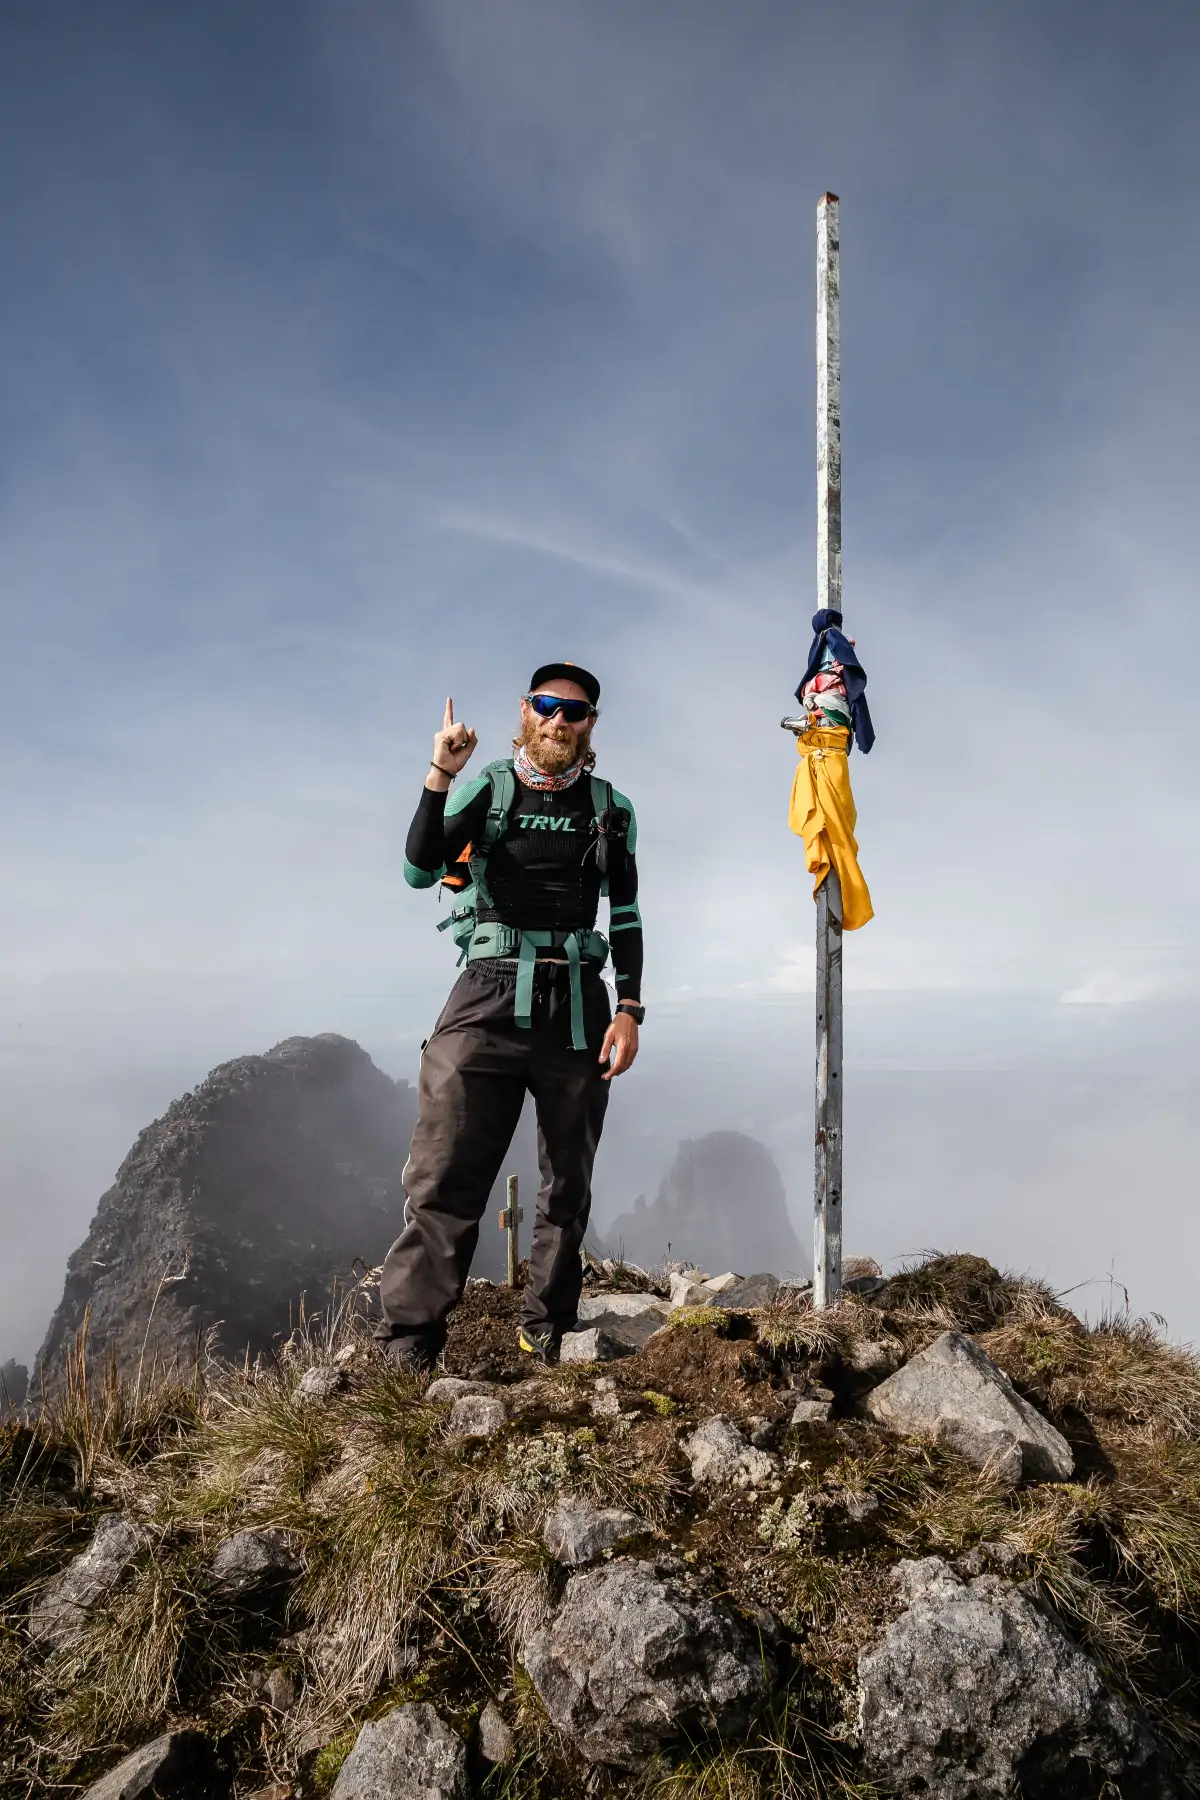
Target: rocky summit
[
  {"x": 247, "y": 1199},
  {"x": 941, "y": 1540}
]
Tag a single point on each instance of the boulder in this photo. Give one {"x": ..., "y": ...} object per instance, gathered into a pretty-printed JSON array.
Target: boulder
[
  {"x": 687, "y": 1291},
  {"x": 721, "y": 1457},
  {"x": 253, "y": 1561},
  {"x": 576, "y": 1532},
  {"x": 176, "y": 1766},
  {"x": 976, "y": 1693},
  {"x": 749, "y": 1292},
  {"x": 611, "y": 1336},
  {"x": 636, "y": 1656},
  {"x": 496, "y": 1741},
  {"x": 408, "y": 1754},
  {"x": 720, "y": 1284},
  {"x": 448, "y": 1388},
  {"x": 61, "y": 1613},
  {"x": 320, "y": 1384},
  {"x": 476, "y": 1416},
  {"x": 622, "y": 1306},
  {"x": 876, "y": 1357},
  {"x": 954, "y": 1394}
]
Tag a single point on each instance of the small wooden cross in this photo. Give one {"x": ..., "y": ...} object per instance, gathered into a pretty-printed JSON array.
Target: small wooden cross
[{"x": 510, "y": 1217}]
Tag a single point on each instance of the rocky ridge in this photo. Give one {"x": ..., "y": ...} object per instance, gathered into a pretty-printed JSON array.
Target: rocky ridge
[
  {"x": 754, "y": 1551},
  {"x": 251, "y": 1196}
]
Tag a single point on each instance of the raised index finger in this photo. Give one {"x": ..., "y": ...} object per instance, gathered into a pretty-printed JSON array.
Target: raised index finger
[{"x": 448, "y": 720}]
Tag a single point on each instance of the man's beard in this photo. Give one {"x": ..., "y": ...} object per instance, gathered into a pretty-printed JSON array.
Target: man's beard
[{"x": 552, "y": 747}]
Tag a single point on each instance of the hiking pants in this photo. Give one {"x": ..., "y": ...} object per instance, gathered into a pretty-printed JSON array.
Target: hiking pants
[{"x": 475, "y": 1071}]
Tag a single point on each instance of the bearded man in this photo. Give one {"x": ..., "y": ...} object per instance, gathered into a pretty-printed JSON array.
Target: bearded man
[{"x": 534, "y": 842}]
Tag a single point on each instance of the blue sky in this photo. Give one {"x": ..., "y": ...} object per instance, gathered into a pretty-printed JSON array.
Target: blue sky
[{"x": 361, "y": 353}]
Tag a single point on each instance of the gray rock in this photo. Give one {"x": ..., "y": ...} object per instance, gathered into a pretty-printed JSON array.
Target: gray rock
[
  {"x": 250, "y": 1562},
  {"x": 622, "y": 1306},
  {"x": 576, "y": 1532},
  {"x": 408, "y": 1754},
  {"x": 975, "y": 1693},
  {"x": 321, "y": 1384},
  {"x": 688, "y": 1290},
  {"x": 61, "y": 1613},
  {"x": 812, "y": 1412},
  {"x": 750, "y": 1292},
  {"x": 879, "y": 1357},
  {"x": 720, "y": 1284},
  {"x": 861, "y": 1506},
  {"x": 279, "y": 1688},
  {"x": 176, "y": 1766},
  {"x": 448, "y": 1388},
  {"x": 634, "y": 1658},
  {"x": 609, "y": 1337},
  {"x": 721, "y": 1457},
  {"x": 496, "y": 1742},
  {"x": 954, "y": 1393},
  {"x": 476, "y": 1416}
]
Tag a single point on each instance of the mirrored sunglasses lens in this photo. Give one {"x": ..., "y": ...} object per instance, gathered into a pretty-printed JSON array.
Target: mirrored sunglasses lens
[{"x": 573, "y": 711}]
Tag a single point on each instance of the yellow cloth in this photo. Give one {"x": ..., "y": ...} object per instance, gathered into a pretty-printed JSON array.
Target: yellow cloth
[{"x": 823, "y": 813}]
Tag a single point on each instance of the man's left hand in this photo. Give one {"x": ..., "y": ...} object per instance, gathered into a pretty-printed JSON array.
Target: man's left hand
[{"x": 621, "y": 1043}]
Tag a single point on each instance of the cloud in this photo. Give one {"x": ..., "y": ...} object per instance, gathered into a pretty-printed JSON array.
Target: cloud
[{"x": 444, "y": 336}]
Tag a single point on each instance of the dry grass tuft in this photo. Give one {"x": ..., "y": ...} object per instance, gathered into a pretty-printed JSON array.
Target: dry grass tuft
[
  {"x": 108, "y": 1424},
  {"x": 966, "y": 1293},
  {"x": 791, "y": 1327},
  {"x": 786, "y": 1755}
]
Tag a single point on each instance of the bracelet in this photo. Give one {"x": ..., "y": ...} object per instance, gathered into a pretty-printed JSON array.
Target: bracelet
[{"x": 450, "y": 772}]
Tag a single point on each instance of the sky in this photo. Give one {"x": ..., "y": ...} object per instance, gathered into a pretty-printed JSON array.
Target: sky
[{"x": 359, "y": 354}]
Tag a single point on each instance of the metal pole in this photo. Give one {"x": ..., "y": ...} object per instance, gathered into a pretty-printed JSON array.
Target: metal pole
[{"x": 827, "y": 1190}]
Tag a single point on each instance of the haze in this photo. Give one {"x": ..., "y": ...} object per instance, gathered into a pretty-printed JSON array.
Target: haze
[{"x": 355, "y": 355}]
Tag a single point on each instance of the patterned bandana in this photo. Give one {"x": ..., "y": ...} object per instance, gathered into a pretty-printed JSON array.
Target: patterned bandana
[{"x": 534, "y": 777}]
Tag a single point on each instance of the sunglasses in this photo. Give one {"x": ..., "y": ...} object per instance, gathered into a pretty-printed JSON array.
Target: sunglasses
[{"x": 573, "y": 711}]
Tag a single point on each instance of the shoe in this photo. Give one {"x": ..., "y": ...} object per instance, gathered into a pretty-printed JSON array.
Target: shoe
[
  {"x": 542, "y": 1342},
  {"x": 410, "y": 1355}
]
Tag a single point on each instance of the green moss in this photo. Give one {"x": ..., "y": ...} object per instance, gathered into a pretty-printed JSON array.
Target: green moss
[
  {"x": 330, "y": 1758},
  {"x": 663, "y": 1404},
  {"x": 701, "y": 1318}
]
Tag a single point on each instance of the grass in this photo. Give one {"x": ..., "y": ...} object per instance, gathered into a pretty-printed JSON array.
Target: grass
[{"x": 409, "y": 1538}]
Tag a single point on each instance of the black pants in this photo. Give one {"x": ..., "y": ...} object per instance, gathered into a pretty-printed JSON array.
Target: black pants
[{"x": 475, "y": 1071}]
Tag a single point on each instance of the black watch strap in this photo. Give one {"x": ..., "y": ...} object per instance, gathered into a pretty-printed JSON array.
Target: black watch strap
[{"x": 637, "y": 1013}]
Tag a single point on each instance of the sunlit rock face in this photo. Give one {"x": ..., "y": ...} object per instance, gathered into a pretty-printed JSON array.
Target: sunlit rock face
[
  {"x": 721, "y": 1205},
  {"x": 260, "y": 1186}
]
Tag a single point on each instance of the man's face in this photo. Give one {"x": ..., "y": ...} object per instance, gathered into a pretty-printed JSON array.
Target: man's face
[{"x": 552, "y": 744}]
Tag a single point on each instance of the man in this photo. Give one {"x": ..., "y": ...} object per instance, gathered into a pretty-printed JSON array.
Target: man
[{"x": 531, "y": 845}]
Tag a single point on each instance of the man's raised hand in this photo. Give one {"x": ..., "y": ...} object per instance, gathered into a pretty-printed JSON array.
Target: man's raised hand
[{"x": 453, "y": 745}]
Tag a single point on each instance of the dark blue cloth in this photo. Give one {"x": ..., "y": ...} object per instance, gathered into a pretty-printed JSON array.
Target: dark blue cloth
[{"x": 825, "y": 624}]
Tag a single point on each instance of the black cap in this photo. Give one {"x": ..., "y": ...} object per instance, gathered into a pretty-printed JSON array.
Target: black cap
[{"x": 567, "y": 671}]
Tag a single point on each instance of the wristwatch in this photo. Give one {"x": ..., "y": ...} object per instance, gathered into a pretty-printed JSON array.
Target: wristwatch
[{"x": 636, "y": 1013}]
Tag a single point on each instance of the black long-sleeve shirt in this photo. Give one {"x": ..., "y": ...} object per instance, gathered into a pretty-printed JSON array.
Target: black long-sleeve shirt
[{"x": 542, "y": 871}]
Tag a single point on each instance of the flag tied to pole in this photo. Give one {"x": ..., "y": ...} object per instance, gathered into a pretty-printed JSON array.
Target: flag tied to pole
[{"x": 822, "y": 812}]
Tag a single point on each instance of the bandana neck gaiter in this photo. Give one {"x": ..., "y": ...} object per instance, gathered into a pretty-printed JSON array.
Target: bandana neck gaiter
[{"x": 533, "y": 777}]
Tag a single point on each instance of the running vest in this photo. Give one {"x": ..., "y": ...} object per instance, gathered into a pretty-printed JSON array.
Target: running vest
[{"x": 490, "y": 939}]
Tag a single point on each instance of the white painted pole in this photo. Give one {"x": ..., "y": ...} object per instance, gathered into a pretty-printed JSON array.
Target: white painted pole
[{"x": 827, "y": 1190}]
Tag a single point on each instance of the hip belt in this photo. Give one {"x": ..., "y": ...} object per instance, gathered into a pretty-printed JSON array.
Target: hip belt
[{"x": 494, "y": 942}]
